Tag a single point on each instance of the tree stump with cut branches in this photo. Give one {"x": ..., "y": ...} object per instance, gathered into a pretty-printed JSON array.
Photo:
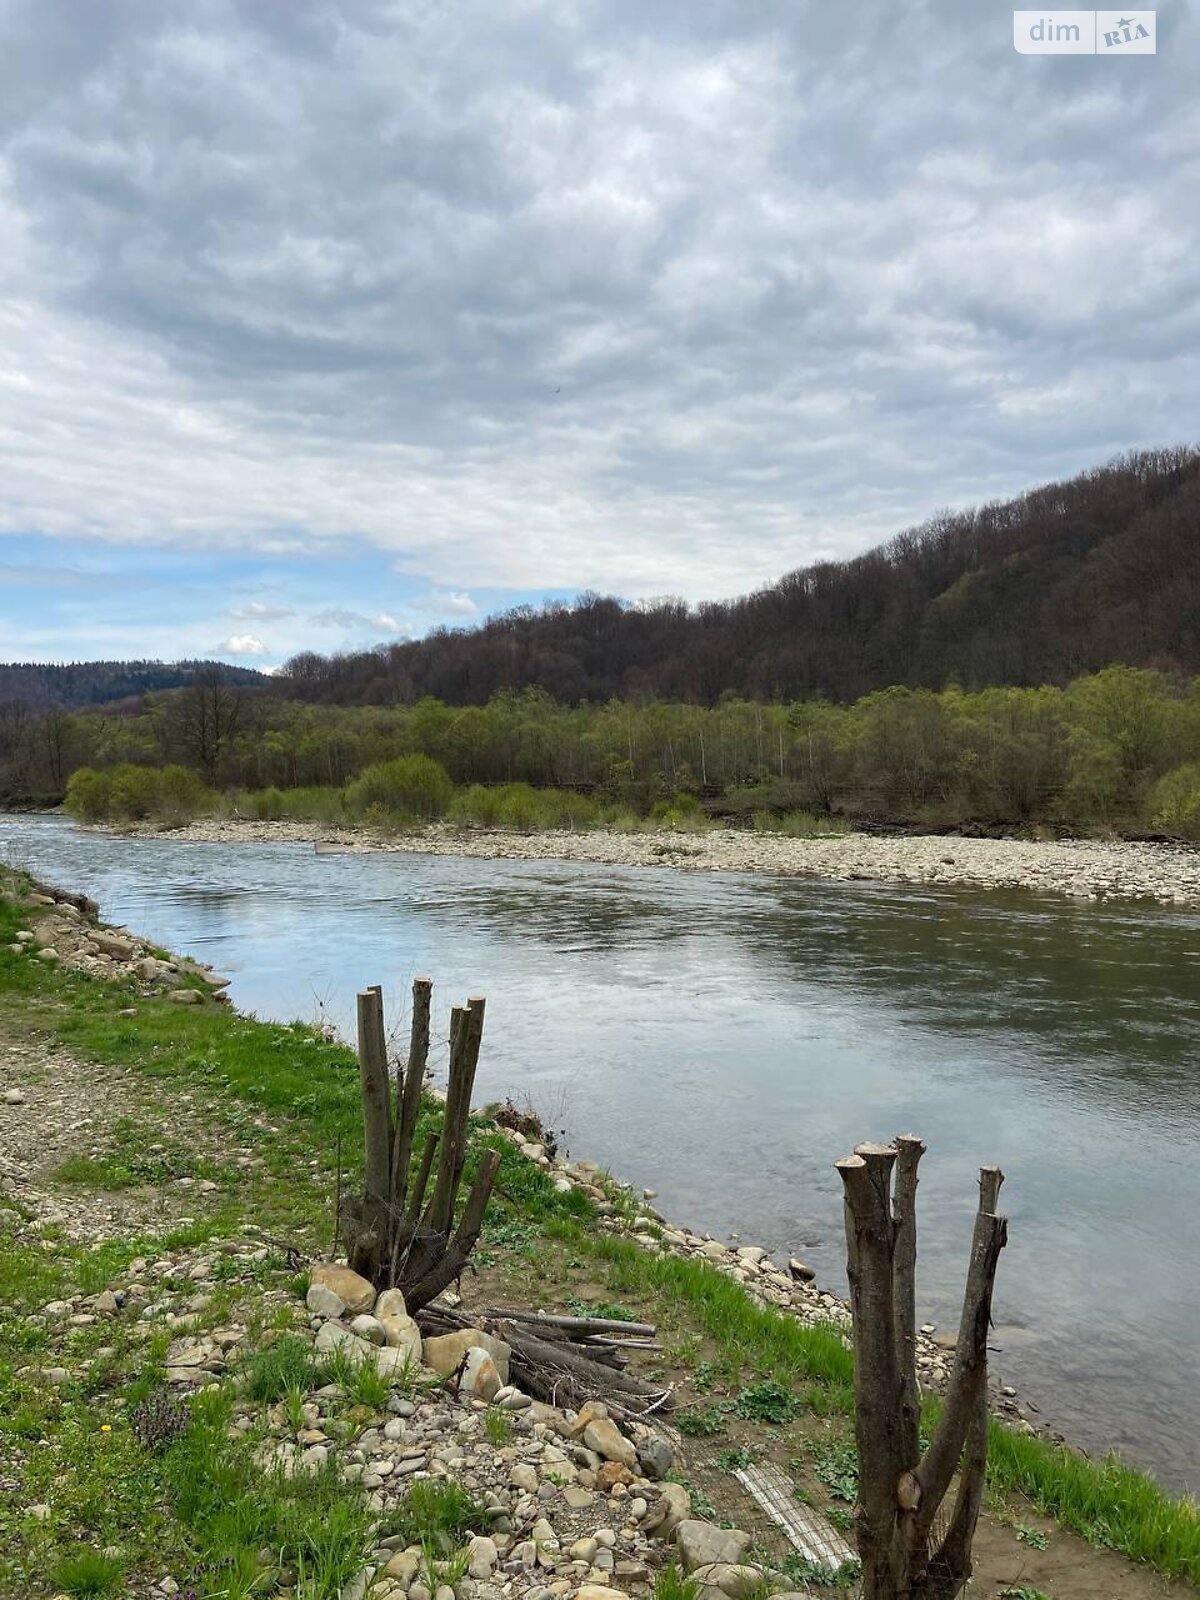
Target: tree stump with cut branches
[
  {"x": 393, "y": 1235},
  {"x": 905, "y": 1554}
]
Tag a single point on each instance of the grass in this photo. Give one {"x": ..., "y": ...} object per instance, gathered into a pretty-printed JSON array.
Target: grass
[
  {"x": 283, "y": 1369},
  {"x": 438, "y": 1514},
  {"x": 498, "y": 1427},
  {"x": 234, "y": 1512},
  {"x": 89, "y": 1572},
  {"x": 295, "y": 1093},
  {"x": 670, "y": 1584},
  {"x": 1105, "y": 1502}
]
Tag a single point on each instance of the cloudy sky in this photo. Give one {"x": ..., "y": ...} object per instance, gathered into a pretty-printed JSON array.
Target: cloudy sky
[{"x": 326, "y": 323}]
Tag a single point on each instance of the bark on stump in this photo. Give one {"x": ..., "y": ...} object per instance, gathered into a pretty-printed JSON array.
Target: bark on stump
[{"x": 904, "y": 1555}]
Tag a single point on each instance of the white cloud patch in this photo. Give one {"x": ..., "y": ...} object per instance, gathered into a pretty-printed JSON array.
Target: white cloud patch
[
  {"x": 452, "y": 604},
  {"x": 242, "y": 644},
  {"x": 546, "y": 297},
  {"x": 260, "y": 611}
]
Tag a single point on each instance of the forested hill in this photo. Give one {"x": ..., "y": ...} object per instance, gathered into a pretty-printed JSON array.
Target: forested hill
[
  {"x": 1062, "y": 581},
  {"x": 78, "y": 685}
]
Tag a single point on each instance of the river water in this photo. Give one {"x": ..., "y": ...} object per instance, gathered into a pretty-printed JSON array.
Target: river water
[{"x": 723, "y": 1039}]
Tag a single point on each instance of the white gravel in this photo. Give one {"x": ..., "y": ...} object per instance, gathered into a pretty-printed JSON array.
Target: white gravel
[{"x": 1086, "y": 869}]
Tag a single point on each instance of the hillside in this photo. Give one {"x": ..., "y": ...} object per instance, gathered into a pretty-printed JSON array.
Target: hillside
[
  {"x": 1061, "y": 581},
  {"x": 80, "y": 685}
]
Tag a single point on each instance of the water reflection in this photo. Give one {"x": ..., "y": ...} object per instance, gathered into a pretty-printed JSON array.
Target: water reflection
[{"x": 725, "y": 1039}]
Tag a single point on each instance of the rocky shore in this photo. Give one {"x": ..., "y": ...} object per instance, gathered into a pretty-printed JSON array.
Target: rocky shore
[{"x": 1083, "y": 869}]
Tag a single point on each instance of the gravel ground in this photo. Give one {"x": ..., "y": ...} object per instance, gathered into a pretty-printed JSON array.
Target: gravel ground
[{"x": 1084, "y": 869}]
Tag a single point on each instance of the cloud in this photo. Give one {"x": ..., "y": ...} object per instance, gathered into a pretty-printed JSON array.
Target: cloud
[
  {"x": 447, "y": 605},
  {"x": 258, "y": 609},
  {"x": 242, "y": 644},
  {"x": 358, "y": 622},
  {"x": 552, "y": 297}
]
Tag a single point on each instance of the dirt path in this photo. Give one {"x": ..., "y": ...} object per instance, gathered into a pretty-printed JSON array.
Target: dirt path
[{"x": 74, "y": 1122}]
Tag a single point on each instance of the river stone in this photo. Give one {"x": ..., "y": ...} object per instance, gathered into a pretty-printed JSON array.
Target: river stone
[
  {"x": 354, "y": 1291},
  {"x": 479, "y": 1377},
  {"x": 655, "y": 1456},
  {"x": 604, "y": 1437},
  {"x": 322, "y": 1301},
  {"x": 400, "y": 1331},
  {"x": 367, "y": 1327},
  {"x": 702, "y": 1545},
  {"x": 336, "y": 1336},
  {"x": 444, "y": 1352},
  {"x": 727, "y": 1578},
  {"x": 14, "y": 1097},
  {"x": 673, "y": 1506}
]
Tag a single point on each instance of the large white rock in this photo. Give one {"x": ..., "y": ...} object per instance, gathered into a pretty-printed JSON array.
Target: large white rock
[
  {"x": 356, "y": 1292},
  {"x": 322, "y": 1301},
  {"x": 444, "y": 1352},
  {"x": 399, "y": 1330}
]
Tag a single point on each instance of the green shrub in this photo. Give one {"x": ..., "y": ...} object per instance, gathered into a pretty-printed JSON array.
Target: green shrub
[
  {"x": 182, "y": 795},
  {"x": 264, "y": 805},
  {"x": 520, "y": 807},
  {"x": 136, "y": 792},
  {"x": 410, "y": 786},
  {"x": 1175, "y": 801},
  {"x": 315, "y": 803},
  {"x": 682, "y": 813},
  {"x": 89, "y": 794},
  {"x": 478, "y": 804}
]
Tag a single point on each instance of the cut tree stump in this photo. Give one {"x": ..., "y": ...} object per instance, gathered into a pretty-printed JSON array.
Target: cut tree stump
[
  {"x": 391, "y": 1234},
  {"x": 901, "y": 1490}
]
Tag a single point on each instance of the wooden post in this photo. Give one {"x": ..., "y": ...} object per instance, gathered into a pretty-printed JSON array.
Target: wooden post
[
  {"x": 409, "y": 1083},
  {"x": 373, "y": 1076}
]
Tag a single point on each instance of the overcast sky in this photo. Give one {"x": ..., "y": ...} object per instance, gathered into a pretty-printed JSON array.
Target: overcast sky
[{"x": 324, "y": 323}]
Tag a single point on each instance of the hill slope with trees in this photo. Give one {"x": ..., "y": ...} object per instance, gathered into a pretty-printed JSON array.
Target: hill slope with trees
[
  {"x": 1060, "y": 582},
  {"x": 78, "y": 685}
]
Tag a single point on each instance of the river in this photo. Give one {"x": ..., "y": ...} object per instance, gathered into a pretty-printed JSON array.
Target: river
[{"x": 723, "y": 1039}]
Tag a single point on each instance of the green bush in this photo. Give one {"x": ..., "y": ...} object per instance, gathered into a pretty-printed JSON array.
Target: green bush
[
  {"x": 414, "y": 786},
  {"x": 1175, "y": 801},
  {"x": 478, "y": 804},
  {"x": 682, "y": 813},
  {"x": 182, "y": 795},
  {"x": 264, "y": 805},
  {"x": 315, "y": 803},
  {"x": 521, "y": 807},
  {"x": 136, "y": 792},
  {"x": 89, "y": 794}
]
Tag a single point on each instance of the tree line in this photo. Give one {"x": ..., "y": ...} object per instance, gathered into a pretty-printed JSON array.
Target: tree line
[
  {"x": 1118, "y": 749},
  {"x": 1044, "y": 588}
]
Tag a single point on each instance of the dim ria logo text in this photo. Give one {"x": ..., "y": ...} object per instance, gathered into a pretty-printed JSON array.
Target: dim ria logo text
[{"x": 1084, "y": 33}]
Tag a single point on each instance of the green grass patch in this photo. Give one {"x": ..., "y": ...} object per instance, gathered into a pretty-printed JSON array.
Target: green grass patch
[
  {"x": 1107, "y": 1503},
  {"x": 435, "y": 1515},
  {"x": 89, "y": 1572}
]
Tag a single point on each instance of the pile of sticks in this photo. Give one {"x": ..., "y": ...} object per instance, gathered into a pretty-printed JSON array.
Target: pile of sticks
[{"x": 563, "y": 1360}]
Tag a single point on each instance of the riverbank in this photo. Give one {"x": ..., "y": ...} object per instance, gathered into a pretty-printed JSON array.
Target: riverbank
[
  {"x": 1085, "y": 869},
  {"x": 238, "y": 1111}
]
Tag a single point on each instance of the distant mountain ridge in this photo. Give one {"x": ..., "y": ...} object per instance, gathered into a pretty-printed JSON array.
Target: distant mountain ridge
[
  {"x": 82, "y": 685},
  {"x": 1061, "y": 581}
]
